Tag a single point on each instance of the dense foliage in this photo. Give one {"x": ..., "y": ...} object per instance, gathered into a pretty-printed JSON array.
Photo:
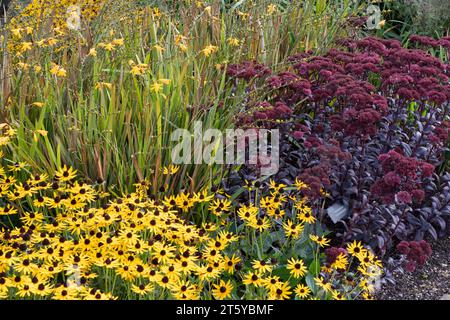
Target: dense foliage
[
  {"x": 64, "y": 239},
  {"x": 93, "y": 204},
  {"x": 407, "y": 17},
  {"x": 370, "y": 125}
]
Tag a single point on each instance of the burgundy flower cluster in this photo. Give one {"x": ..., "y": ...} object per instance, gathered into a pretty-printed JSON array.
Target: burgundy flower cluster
[
  {"x": 402, "y": 180},
  {"x": 440, "y": 135},
  {"x": 425, "y": 41},
  {"x": 326, "y": 157},
  {"x": 369, "y": 124},
  {"x": 264, "y": 112},
  {"x": 416, "y": 252},
  {"x": 342, "y": 80},
  {"x": 291, "y": 88}
]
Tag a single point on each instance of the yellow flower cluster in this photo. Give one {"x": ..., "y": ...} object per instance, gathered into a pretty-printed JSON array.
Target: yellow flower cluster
[{"x": 6, "y": 132}]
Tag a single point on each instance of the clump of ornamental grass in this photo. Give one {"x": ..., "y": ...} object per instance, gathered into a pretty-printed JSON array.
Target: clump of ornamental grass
[
  {"x": 369, "y": 124},
  {"x": 63, "y": 238}
]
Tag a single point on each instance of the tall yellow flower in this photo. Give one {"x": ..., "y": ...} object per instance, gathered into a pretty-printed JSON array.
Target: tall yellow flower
[
  {"x": 58, "y": 71},
  {"x": 209, "y": 49}
]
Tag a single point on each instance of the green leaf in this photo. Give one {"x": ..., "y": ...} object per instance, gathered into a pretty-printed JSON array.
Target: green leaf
[{"x": 310, "y": 283}]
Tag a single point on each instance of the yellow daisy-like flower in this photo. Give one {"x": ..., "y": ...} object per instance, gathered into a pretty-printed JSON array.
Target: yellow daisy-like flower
[
  {"x": 248, "y": 213},
  {"x": 322, "y": 283},
  {"x": 222, "y": 290},
  {"x": 260, "y": 224},
  {"x": 18, "y": 166},
  {"x": 202, "y": 196},
  {"x": 307, "y": 217},
  {"x": 302, "y": 291},
  {"x": 142, "y": 289},
  {"x": 300, "y": 185},
  {"x": 271, "y": 283},
  {"x": 320, "y": 240},
  {"x": 282, "y": 292},
  {"x": 292, "y": 230},
  {"x": 276, "y": 187},
  {"x": 252, "y": 278},
  {"x": 341, "y": 262},
  {"x": 356, "y": 248},
  {"x": 230, "y": 263},
  {"x": 65, "y": 174},
  {"x": 262, "y": 266},
  {"x": 171, "y": 169},
  {"x": 219, "y": 206},
  {"x": 184, "y": 202},
  {"x": 337, "y": 295}
]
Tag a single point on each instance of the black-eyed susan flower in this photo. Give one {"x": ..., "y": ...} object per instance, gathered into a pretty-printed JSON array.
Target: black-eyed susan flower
[
  {"x": 271, "y": 283},
  {"x": 282, "y": 292},
  {"x": 322, "y": 283},
  {"x": 302, "y": 291},
  {"x": 184, "y": 202},
  {"x": 142, "y": 289},
  {"x": 252, "y": 278},
  {"x": 219, "y": 206},
  {"x": 261, "y": 266},
  {"x": 202, "y": 196},
  {"x": 208, "y": 272},
  {"x": 260, "y": 224},
  {"x": 338, "y": 295},
  {"x": 230, "y": 263},
  {"x": 276, "y": 187},
  {"x": 292, "y": 230},
  {"x": 355, "y": 248},
  {"x": 320, "y": 240},
  {"x": 222, "y": 290},
  {"x": 227, "y": 236},
  {"x": 296, "y": 267},
  {"x": 17, "y": 166},
  {"x": 248, "y": 213},
  {"x": 306, "y": 216},
  {"x": 171, "y": 169},
  {"x": 367, "y": 296},
  {"x": 184, "y": 290},
  {"x": 65, "y": 174},
  {"x": 29, "y": 218},
  {"x": 340, "y": 262},
  {"x": 8, "y": 210},
  {"x": 300, "y": 185}
]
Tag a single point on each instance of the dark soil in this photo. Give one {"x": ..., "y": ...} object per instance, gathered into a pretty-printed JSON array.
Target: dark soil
[{"x": 430, "y": 282}]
